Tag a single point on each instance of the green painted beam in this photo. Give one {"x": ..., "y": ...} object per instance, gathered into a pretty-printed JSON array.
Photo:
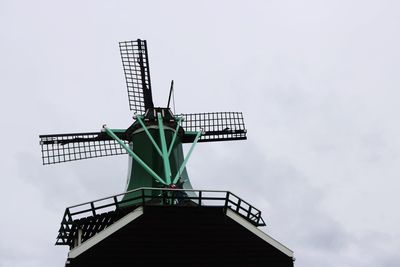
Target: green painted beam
[
  {"x": 178, "y": 124},
  {"x": 119, "y": 130},
  {"x": 149, "y": 135},
  {"x": 186, "y": 158},
  {"x": 191, "y": 132},
  {"x": 134, "y": 156},
  {"x": 167, "y": 167}
]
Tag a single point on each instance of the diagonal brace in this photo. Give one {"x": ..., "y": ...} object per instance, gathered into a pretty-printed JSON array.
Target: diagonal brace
[
  {"x": 149, "y": 135},
  {"x": 167, "y": 167},
  {"x": 134, "y": 156},
  {"x": 178, "y": 124},
  {"x": 177, "y": 176}
]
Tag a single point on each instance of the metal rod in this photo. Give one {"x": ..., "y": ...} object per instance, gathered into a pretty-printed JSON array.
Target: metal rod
[
  {"x": 187, "y": 158},
  {"x": 170, "y": 92},
  {"x": 149, "y": 135},
  {"x": 167, "y": 167},
  {"x": 134, "y": 156},
  {"x": 178, "y": 124}
]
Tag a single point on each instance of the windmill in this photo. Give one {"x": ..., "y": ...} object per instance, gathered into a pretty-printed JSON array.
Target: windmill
[
  {"x": 154, "y": 140},
  {"x": 157, "y": 175}
]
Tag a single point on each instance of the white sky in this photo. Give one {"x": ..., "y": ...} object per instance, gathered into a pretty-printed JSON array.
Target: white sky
[{"x": 317, "y": 82}]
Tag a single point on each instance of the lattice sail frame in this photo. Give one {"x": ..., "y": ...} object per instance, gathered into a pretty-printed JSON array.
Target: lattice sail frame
[
  {"x": 135, "y": 62},
  {"x": 216, "y": 126},
  {"x": 59, "y": 148}
]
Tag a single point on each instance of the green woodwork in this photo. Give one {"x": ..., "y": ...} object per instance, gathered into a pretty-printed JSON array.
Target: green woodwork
[
  {"x": 151, "y": 162},
  {"x": 137, "y": 175},
  {"x": 171, "y": 145},
  {"x": 148, "y": 169},
  {"x": 167, "y": 167},
  {"x": 149, "y": 135},
  {"x": 183, "y": 166}
]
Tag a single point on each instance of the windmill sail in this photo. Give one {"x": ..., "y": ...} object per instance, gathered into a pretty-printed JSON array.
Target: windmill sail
[
  {"x": 137, "y": 74},
  {"x": 59, "y": 148},
  {"x": 216, "y": 126}
]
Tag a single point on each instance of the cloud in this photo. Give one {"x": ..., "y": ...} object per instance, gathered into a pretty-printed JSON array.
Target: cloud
[{"x": 317, "y": 83}]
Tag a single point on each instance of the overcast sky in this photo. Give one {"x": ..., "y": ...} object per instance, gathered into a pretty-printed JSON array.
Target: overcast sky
[{"x": 317, "y": 82}]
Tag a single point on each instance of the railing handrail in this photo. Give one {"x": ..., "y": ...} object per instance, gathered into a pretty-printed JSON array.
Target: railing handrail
[
  {"x": 143, "y": 189},
  {"x": 151, "y": 188},
  {"x": 230, "y": 201}
]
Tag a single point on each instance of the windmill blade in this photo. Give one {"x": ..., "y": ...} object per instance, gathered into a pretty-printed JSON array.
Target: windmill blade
[
  {"x": 137, "y": 74},
  {"x": 57, "y": 148},
  {"x": 216, "y": 126}
]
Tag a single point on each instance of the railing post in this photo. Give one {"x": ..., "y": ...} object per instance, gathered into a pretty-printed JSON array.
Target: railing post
[
  {"x": 238, "y": 205},
  {"x": 226, "y": 201},
  {"x": 249, "y": 212},
  {"x": 143, "y": 198},
  {"x": 93, "y": 209},
  {"x": 116, "y": 202},
  {"x": 200, "y": 195}
]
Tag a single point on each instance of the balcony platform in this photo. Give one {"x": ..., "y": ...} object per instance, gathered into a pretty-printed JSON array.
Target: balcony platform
[{"x": 206, "y": 230}]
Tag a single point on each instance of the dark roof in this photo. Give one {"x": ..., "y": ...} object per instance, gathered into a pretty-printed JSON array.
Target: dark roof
[
  {"x": 170, "y": 235},
  {"x": 92, "y": 217}
]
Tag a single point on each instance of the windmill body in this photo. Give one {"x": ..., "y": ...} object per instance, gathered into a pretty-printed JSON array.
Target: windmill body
[
  {"x": 159, "y": 200},
  {"x": 141, "y": 143}
]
